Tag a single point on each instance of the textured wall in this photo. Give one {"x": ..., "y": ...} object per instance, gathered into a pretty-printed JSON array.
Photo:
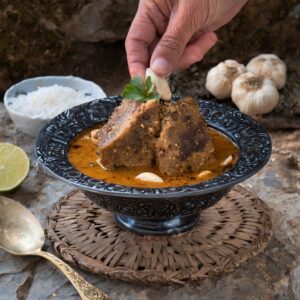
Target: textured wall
[{"x": 55, "y": 37}]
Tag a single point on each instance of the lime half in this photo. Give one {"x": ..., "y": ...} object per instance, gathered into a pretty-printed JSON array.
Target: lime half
[{"x": 14, "y": 166}]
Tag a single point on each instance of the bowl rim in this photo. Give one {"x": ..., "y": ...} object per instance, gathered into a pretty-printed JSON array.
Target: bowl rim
[
  {"x": 51, "y": 77},
  {"x": 212, "y": 111}
]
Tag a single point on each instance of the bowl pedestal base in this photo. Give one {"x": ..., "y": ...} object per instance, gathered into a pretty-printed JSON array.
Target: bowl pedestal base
[{"x": 174, "y": 225}]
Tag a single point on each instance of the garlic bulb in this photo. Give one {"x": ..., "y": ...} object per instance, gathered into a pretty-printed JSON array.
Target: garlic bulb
[
  {"x": 148, "y": 176},
  {"x": 270, "y": 66},
  {"x": 254, "y": 94},
  {"x": 161, "y": 85},
  {"x": 219, "y": 79}
]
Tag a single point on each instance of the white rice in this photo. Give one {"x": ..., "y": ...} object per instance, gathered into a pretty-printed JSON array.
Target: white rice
[{"x": 48, "y": 102}]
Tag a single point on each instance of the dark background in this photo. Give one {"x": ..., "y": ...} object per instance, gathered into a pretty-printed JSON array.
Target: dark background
[{"x": 86, "y": 38}]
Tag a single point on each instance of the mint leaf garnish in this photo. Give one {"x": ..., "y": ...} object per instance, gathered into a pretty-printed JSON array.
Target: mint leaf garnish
[{"x": 137, "y": 90}]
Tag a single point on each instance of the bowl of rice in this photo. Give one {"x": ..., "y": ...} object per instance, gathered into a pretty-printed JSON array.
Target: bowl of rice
[{"x": 33, "y": 102}]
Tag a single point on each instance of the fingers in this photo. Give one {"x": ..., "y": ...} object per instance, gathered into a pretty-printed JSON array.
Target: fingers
[
  {"x": 137, "y": 57},
  {"x": 196, "y": 50},
  {"x": 170, "y": 48},
  {"x": 174, "y": 24},
  {"x": 149, "y": 22},
  {"x": 140, "y": 36}
]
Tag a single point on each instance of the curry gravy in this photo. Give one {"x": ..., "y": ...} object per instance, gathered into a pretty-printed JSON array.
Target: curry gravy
[{"x": 82, "y": 155}]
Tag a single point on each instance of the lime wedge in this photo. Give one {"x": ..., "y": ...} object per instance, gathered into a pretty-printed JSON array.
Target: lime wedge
[{"x": 14, "y": 166}]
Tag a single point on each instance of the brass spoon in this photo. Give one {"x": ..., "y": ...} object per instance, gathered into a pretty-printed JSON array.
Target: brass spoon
[{"x": 22, "y": 234}]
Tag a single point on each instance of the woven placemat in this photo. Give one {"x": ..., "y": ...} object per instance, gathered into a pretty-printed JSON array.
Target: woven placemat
[{"x": 230, "y": 232}]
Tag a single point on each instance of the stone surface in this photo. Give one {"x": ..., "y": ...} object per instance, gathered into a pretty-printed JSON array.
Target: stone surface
[
  {"x": 296, "y": 283},
  {"x": 33, "y": 45},
  {"x": 273, "y": 274},
  {"x": 99, "y": 21}
]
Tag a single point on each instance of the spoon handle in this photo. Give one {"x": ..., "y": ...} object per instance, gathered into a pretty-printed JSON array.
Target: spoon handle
[{"x": 86, "y": 290}]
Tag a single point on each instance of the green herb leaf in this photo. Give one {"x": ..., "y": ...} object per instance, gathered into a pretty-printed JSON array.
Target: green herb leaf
[
  {"x": 149, "y": 83},
  {"x": 137, "y": 90},
  {"x": 138, "y": 84}
]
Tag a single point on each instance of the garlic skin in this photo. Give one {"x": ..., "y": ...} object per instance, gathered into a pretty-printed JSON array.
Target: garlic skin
[
  {"x": 161, "y": 85},
  {"x": 254, "y": 94},
  {"x": 150, "y": 177},
  {"x": 270, "y": 66},
  {"x": 219, "y": 79}
]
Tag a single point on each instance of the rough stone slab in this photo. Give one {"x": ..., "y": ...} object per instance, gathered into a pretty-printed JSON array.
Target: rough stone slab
[
  {"x": 296, "y": 283},
  {"x": 100, "y": 20}
]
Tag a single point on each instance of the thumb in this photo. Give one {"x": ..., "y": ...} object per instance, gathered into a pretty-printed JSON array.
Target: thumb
[{"x": 169, "y": 49}]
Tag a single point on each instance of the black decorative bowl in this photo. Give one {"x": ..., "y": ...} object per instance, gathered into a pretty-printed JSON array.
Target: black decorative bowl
[{"x": 153, "y": 210}]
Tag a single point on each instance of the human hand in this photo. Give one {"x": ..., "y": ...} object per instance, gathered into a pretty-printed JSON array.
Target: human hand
[{"x": 173, "y": 34}]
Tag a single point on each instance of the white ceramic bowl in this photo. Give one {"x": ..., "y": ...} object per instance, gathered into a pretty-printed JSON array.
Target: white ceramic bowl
[{"x": 33, "y": 125}]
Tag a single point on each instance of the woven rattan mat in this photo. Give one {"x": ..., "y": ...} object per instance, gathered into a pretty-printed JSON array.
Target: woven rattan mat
[{"x": 230, "y": 232}]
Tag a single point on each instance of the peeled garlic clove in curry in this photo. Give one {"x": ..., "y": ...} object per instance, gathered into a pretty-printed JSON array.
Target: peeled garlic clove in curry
[
  {"x": 204, "y": 174},
  {"x": 270, "y": 66},
  {"x": 161, "y": 85},
  {"x": 94, "y": 136},
  {"x": 98, "y": 161},
  {"x": 219, "y": 79},
  {"x": 227, "y": 161},
  {"x": 148, "y": 176},
  {"x": 254, "y": 94}
]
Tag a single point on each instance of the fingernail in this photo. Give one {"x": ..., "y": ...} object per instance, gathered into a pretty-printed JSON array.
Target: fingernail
[{"x": 160, "y": 66}]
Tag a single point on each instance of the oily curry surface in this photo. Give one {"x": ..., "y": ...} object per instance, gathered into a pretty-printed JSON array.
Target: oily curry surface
[{"x": 83, "y": 156}]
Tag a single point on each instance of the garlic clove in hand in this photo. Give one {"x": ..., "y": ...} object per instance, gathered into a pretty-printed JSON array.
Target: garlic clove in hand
[
  {"x": 254, "y": 94},
  {"x": 161, "y": 85},
  {"x": 270, "y": 66},
  {"x": 220, "y": 78}
]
